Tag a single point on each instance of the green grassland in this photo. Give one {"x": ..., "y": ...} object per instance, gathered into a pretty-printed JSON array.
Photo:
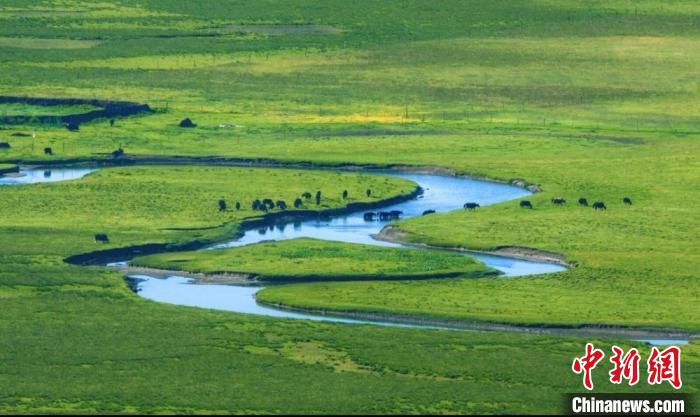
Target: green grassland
[
  {"x": 311, "y": 259},
  {"x": 595, "y": 99}
]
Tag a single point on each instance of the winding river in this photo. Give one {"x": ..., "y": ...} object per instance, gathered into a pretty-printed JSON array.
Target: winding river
[{"x": 441, "y": 193}]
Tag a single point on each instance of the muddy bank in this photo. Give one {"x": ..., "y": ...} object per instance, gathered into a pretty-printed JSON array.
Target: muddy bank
[
  {"x": 392, "y": 233},
  {"x": 108, "y": 109},
  {"x": 200, "y": 278},
  {"x": 9, "y": 170},
  {"x": 105, "y": 256},
  {"x": 583, "y": 330},
  {"x": 243, "y": 278}
]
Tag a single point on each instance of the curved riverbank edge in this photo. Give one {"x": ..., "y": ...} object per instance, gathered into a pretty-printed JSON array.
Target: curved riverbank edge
[
  {"x": 578, "y": 330},
  {"x": 106, "y": 160},
  {"x": 393, "y": 233},
  {"x": 14, "y": 169},
  {"x": 255, "y": 279},
  {"x": 106, "y": 256},
  {"x": 108, "y": 109}
]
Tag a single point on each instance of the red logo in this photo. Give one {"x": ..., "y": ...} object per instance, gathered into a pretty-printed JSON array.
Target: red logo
[
  {"x": 665, "y": 366},
  {"x": 661, "y": 366},
  {"x": 586, "y": 363},
  {"x": 626, "y": 366}
]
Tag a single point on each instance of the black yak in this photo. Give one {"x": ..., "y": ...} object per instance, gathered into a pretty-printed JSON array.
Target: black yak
[
  {"x": 187, "y": 123},
  {"x": 471, "y": 206},
  {"x": 318, "y": 197},
  {"x": 101, "y": 237},
  {"x": 582, "y": 202},
  {"x": 558, "y": 201},
  {"x": 627, "y": 201},
  {"x": 345, "y": 194},
  {"x": 599, "y": 205},
  {"x": 428, "y": 212},
  {"x": 369, "y": 192},
  {"x": 222, "y": 205},
  {"x": 48, "y": 151},
  {"x": 298, "y": 203},
  {"x": 306, "y": 195},
  {"x": 281, "y": 204},
  {"x": 238, "y": 205},
  {"x": 526, "y": 204}
]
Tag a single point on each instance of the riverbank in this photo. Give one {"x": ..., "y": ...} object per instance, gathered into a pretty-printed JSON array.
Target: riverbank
[
  {"x": 582, "y": 330},
  {"x": 142, "y": 159},
  {"x": 394, "y": 234}
]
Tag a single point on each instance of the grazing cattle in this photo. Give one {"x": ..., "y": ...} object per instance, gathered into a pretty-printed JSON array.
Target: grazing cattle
[
  {"x": 471, "y": 206},
  {"x": 101, "y": 238},
  {"x": 222, "y": 205},
  {"x": 582, "y": 202},
  {"x": 345, "y": 194},
  {"x": 256, "y": 205},
  {"x": 558, "y": 201},
  {"x": 111, "y": 122},
  {"x": 369, "y": 216},
  {"x": 187, "y": 123},
  {"x": 599, "y": 205},
  {"x": 281, "y": 204},
  {"x": 118, "y": 153},
  {"x": 627, "y": 201},
  {"x": 428, "y": 212},
  {"x": 47, "y": 173},
  {"x": 389, "y": 215},
  {"x": 4, "y": 145},
  {"x": 306, "y": 195},
  {"x": 318, "y": 197},
  {"x": 72, "y": 126},
  {"x": 238, "y": 205},
  {"x": 268, "y": 202},
  {"x": 369, "y": 192},
  {"x": 48, "y": 151},
  {"x": 298, "y": 203},
  {"x": 526, "y": 204}
]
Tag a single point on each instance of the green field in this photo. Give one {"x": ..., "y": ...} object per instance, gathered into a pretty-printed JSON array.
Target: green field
[
  {"x": 311, "y": 260},
  {"x": 595, "y": 99}
]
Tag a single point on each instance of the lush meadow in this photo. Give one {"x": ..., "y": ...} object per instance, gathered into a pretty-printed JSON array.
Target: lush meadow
[
  {"x": 595, "y": 99},
  {"x": 316, "y": 260}
]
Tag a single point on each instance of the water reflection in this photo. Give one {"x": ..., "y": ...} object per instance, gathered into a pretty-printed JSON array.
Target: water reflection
[{"x": 39, "y": 175}]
